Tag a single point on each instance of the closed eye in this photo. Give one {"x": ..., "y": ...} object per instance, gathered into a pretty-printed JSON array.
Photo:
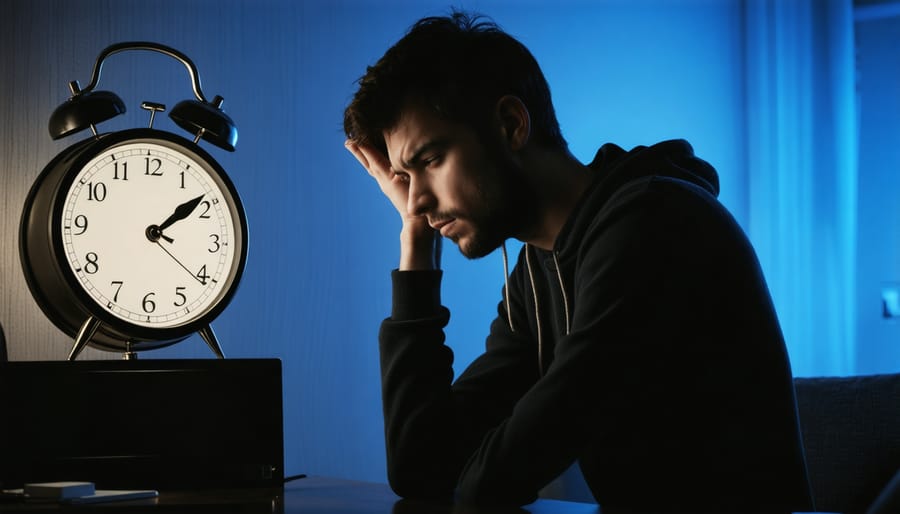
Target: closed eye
[
  {"x": 428, "y": 154},
  {"x": 432, "y": 161}
]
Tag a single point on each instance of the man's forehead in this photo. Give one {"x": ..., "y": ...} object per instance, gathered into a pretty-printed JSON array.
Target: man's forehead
[
  {"x": 414, "y": 120},
  {"x": 415, "y": 128}
]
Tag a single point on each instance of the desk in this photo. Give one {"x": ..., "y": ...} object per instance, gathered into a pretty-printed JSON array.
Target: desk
[{"x": 313, "y": 495}]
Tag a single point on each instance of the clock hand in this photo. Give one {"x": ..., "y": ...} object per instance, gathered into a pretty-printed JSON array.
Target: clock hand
[
  {"x": 182, "y": 211},
  {"x": 191, "y": 273},
  {"x": 154, "y": 232}
]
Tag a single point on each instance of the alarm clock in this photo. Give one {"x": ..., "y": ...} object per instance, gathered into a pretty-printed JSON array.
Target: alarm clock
[{"x": 136, "y": 239}]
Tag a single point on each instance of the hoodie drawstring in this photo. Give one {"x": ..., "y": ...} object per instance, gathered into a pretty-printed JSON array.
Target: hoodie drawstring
[
  {"x": 506, "y": 286},
  {"x": 537, "y": 313},
  {"x": 562, "y": 288}
]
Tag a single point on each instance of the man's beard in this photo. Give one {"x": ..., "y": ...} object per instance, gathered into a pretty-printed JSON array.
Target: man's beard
[{"x": 506, "y": 207}]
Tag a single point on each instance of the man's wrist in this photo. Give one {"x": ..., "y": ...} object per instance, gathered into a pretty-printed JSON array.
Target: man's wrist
[
  {"x": 416, "y": 294},
  {"x": 420, "y": 249}
]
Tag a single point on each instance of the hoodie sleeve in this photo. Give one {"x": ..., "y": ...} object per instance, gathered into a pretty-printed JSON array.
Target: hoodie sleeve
[{"x": 432, "y": 426}]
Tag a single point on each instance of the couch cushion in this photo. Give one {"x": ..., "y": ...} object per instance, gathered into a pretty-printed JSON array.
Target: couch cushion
[
  {"x": 888, "y": 502},
  {"x": 851, "y": 432}
]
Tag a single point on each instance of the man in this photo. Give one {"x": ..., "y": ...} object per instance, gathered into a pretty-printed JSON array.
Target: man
[{"x": 635, "y": 334}]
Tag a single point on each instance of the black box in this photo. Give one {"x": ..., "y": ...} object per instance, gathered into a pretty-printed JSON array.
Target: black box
[{"x": 143, "y": 424}]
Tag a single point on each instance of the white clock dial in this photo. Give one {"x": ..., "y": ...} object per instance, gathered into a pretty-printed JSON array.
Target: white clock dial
[{"x": 150, "y": 234}]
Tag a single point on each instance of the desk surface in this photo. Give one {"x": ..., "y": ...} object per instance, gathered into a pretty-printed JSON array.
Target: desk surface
[{"x": 313, "y": 495}]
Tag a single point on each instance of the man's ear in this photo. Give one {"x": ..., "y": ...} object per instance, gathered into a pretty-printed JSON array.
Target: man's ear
[{"x": 515, "y": 121}]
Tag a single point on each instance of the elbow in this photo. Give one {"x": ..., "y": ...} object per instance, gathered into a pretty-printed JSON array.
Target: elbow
[
  {"x": 496, "y": 499},
  {"x": 416, "y": 479},
  {"x": 425, "y": 479},
  {"x": 418, "y": 487},
  {"x": 494, "y": 492}
]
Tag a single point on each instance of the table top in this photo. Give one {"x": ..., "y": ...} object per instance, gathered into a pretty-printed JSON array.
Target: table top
[{"x": 319, "y": 495}]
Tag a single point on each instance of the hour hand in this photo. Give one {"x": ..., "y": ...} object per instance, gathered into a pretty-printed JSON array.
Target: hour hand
[
  {"x": 182, "y": 211},
  {"x": 154, "y": 232}
]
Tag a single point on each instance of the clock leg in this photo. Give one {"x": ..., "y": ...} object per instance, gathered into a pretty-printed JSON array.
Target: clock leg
[
  {"x": 129, "y": 354},
  {"x": 210, "y": 337},
  {"x": 85, "y": 333}
]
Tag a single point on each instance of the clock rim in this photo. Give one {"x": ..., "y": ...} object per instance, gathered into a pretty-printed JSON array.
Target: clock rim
[{"x": 120, "y": 331}]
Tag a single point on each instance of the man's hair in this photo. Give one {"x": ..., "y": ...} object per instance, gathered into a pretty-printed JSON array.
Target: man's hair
[{"x": 458, "y": 66}]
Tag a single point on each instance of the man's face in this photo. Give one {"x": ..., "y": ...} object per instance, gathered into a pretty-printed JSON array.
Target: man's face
[{"x": 469, "y": 189}]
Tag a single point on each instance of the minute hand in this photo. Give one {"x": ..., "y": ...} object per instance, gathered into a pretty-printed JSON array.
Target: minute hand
[{"x": 182, "y": 211}]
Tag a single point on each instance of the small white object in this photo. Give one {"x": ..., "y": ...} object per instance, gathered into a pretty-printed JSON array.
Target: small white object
[
  {"x": 58, "y": 490},
  {"x": 104, "y": 495}
]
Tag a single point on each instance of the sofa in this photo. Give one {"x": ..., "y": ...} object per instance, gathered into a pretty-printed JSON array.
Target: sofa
[{"x": 851, "y": 433}]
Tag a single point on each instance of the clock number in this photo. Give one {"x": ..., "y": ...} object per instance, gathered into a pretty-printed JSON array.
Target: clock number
[
  {"x": 215, "y": 243},
  {"x": 147, "y": 304},
  {"x": 182, "y": 298},
  {"x": 182, "y": 179},
  {"x": 116, "y": 170},
  {"x": 81, "y": 222},
  {"x": 91, "y": 266},
  {"x": 156, "y": 164},
  {"x": 206, "y": 207},
  {"x": 202, "y": 276},
  {"x": 119, "y": 288},
  {"x": 96, "y": 191}
]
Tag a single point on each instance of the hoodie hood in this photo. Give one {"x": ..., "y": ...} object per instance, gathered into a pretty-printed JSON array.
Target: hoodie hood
[{"x": 615, "y": 167}]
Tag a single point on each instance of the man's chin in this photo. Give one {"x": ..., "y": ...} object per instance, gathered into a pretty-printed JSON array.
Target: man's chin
[{"x": 476, "y": 248}]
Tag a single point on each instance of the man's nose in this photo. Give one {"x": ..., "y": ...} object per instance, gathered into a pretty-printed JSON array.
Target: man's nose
[{"x": 421, "y": 199}]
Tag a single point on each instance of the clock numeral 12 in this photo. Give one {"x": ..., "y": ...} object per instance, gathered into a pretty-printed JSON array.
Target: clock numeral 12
[{"x": 156, "y": 165}]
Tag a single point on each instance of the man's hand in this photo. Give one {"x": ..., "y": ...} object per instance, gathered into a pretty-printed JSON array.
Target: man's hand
[{"x": 420, "y": 245}]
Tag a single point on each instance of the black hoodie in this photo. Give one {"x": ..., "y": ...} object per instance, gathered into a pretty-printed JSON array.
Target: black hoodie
[{"x": 645, "y": 346}]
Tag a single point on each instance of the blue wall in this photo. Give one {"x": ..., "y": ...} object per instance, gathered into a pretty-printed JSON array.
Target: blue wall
[
  {"x": 878, "y": 37},
  {"x": 323, "y": 240}
]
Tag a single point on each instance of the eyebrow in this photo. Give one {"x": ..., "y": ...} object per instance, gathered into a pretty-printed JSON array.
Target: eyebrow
[{"x": 423, "y": 149}]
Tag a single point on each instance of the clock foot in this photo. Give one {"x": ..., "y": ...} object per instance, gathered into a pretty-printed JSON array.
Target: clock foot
[
  {"x": 129, "y": 354},
  {"x": 210, "y": 337},
  {"x": 85, "y": 333}
]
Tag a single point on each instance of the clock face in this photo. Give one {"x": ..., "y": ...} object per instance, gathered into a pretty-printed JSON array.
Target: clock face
[{"x": 151, "y": 233}]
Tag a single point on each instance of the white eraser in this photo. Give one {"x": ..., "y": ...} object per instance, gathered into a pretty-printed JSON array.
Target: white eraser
[{"x": 59, "y": 490}]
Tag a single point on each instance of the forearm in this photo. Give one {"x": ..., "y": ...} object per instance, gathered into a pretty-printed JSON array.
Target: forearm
[
  {"x": 546, "y": 431},
  {"x": 433, "y": 426},
  {"x": 416, "y": 376},
  {"x": 418, "y": 410}
]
